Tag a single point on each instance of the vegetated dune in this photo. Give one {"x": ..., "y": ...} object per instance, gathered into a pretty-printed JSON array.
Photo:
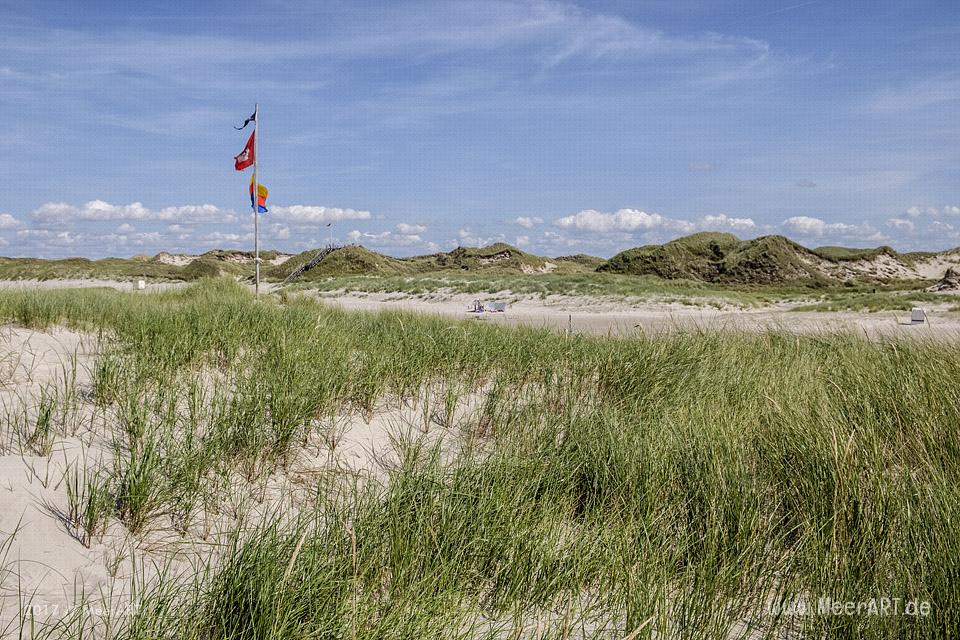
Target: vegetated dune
[
  {"x": 495, "y": 258},
  {"x": 718, "y": 258},
  {"x": 349, "y": 260},
  {"x": 163, "y": 266},
  {"x": 724, "y": 258}
]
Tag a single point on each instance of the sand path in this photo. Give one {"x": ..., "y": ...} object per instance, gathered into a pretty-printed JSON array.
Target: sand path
[{"x": 621, "y": 317}]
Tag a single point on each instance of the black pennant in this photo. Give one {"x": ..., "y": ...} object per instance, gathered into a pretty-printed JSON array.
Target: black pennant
[{"x": 252, "y": 118}]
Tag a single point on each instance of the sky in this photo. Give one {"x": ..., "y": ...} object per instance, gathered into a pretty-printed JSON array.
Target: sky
[{"x": 415, "y": 127}]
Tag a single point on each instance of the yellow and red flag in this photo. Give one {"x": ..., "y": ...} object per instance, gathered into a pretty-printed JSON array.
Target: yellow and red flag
[{"x": 261, "y": 196}]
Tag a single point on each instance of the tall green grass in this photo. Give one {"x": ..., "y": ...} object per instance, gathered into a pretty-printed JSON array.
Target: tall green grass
[{"x": 689, "y": 485}]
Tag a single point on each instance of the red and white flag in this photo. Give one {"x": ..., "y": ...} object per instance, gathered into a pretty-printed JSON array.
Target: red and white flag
[{"x": 245, "y": 158}]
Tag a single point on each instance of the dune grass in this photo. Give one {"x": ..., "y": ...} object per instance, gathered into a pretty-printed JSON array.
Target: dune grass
[
  {"x": 600, "y": 285},
  {"x": 693, "y": 485},
  {"x": 872, "y": 300},
  {"x": 634, "y": 289}
]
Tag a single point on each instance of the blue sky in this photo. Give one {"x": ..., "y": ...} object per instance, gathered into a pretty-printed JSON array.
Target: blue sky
[{"x": 414, "y": 127}]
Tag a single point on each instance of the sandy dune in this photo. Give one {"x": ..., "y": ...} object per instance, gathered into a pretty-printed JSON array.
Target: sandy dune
[{"x": 45, "y": 569}]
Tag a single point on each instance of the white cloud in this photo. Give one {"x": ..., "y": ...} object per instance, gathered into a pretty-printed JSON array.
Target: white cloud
[
  {"x": 624, "y": 220},
  {"x": 901, "y": 224},
  {"x": 7, "y": 221},
  {"x": 53, "y": 211},
  {"x": 387, "y": 239},
  {"x": 309, "y": 213},
  {"x": 467, "y": 238},
  {"x": 522, "y": 241},
  {"x": 199, "y": 214},
  {"x": 151, "y": 237},
  {"x": 126, "y": 228},
  {"x": 410, "y": 229},
  {"x": 278, "y": 232},
  {"x": 806, "y": 225},
  {"x": 217, "y": 238},
  {"x": 723, "y": 221},
  {"x": 815, "y": 227},
  {"x": 98, "y": 210},
  {"x": 917, "y": 211},
  {"x": 528, "y": 222}
]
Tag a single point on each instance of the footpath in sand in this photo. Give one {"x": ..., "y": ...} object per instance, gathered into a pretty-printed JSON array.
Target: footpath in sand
[{"x": 625, "y": 317}]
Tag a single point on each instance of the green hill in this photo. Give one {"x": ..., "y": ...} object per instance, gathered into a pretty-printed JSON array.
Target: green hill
[
  {"x": 349, "y": 260},
  {"x": 110, "y": 268},
  {"x": 709, "y": 257},
  {"x": 724, "y": 258},
  {"x": 495, "y": 257},
  {"x": 356, "y": 259}
]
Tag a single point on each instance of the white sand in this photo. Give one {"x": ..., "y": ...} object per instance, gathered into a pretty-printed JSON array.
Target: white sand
[{"x": 44, "y": 567}]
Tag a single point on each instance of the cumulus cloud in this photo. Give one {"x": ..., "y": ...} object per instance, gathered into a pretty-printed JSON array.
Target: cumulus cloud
[
  {"x": 723, "y": 221},
  {"x": 390, "y": 239},
  {"x": 126, "y": 228},
  {"x": 901, "y": 224},
  {"x": 99, "y": 210},
  {"x": 918, "y": 211},
  {"x": 309, "y": 214},
  {"x": 521, "y": 241},
  {"x": 528, "y": 222},
  {"x": 7, "y": 221},
  {"x": 466, "y": 237},
  {"x": 410, "y": 229},
  {"x": 216, "y": 238},
  {"x": 624, "y": 220},
  {"x": 278, "y": 232},
  {"x": 815, "y": 227}
]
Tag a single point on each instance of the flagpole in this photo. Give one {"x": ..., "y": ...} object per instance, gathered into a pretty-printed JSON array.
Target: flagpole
[{"x": 255, "y": 199}]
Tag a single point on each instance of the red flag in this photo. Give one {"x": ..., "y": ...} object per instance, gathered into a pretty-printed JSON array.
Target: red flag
[{"x": 245, "y": 158}]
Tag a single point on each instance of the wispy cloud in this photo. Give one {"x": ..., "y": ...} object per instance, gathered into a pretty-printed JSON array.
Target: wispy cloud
[{"x": 916, "y": 95}]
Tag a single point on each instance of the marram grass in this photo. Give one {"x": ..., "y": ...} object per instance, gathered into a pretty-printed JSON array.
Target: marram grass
[{"x": 696, "y": 485}]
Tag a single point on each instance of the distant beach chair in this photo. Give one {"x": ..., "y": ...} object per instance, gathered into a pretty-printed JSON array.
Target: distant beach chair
[
  {"x": 917, "y": 316},
  {"x": 497, "y": 306}
]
